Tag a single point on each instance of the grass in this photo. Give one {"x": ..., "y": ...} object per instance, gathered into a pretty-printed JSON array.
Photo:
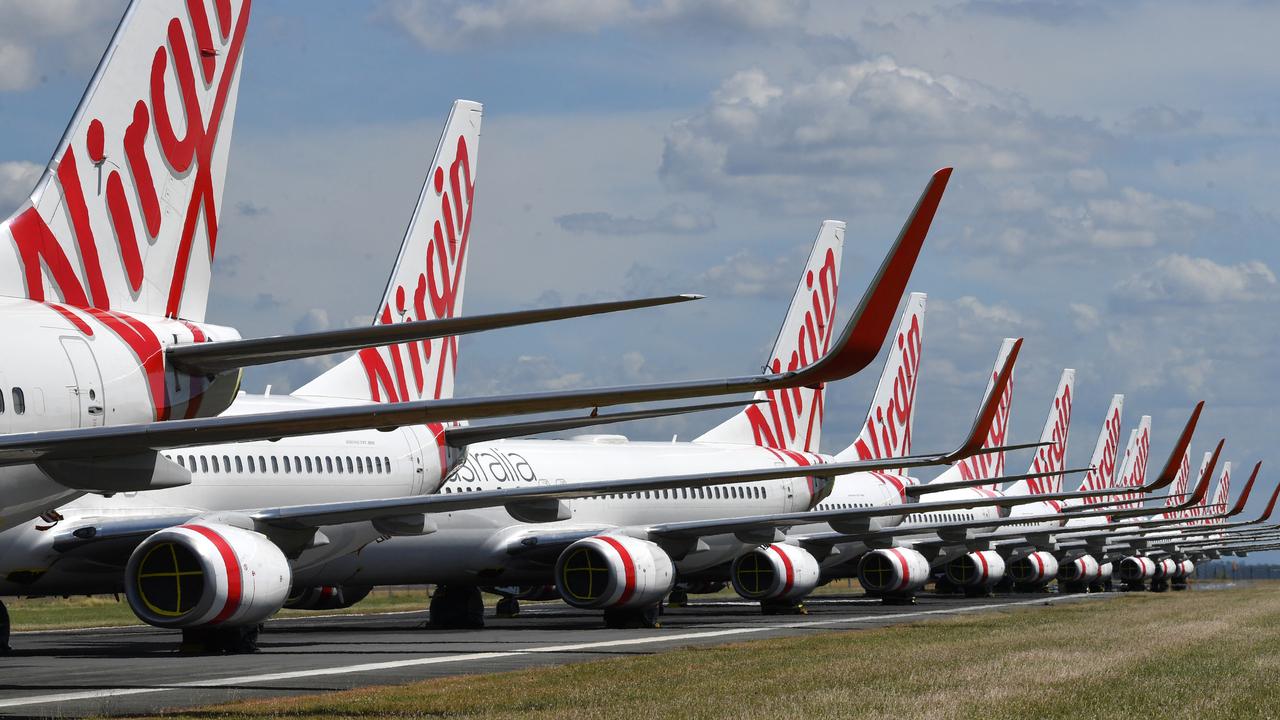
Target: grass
[{"x": 1203, "y": 655}]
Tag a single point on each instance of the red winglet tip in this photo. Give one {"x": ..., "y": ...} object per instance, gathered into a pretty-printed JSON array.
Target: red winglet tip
[
  {"x": 1244, "y": 494},
  {"x": 1271, "y": 505}
]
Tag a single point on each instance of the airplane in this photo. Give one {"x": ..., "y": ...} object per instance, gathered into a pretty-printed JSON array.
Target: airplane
[
  {"x": 107, "y": 273},
  {"x": 242, "y": 501}
]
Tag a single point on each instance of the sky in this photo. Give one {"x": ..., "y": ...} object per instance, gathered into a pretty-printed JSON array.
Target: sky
[{"x": 1112, "y": 201}]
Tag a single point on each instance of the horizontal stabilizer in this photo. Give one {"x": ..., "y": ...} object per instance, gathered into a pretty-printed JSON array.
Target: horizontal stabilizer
[{"x": 213, "y": 358}]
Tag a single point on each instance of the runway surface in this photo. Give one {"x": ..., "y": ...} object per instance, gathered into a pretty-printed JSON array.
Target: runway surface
[{"x": 136, "y": 670}]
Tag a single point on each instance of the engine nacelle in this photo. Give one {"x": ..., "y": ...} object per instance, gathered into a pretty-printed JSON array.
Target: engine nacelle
[
  {"x": 1165, "y": 569},
  {"x": 893, "y": 571},
  {"x": 326, "y": 597},
  {"x": 775, "y": 573},
  {"x": 1036, "y": 568},
  {"x": 1185, "y": 569},
  {"x": 202, "y": 575},
  {"x": 1104, "y": 572},
  {"x": 975, "y": 569},
  {"x": 1137, "y": 568},
  {"x": 1084, "y": 569},
  {"x": 614, "y": 572}
]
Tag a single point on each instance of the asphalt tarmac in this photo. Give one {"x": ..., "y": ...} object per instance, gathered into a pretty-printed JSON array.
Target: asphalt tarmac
[{"x": 116, "y": 671}]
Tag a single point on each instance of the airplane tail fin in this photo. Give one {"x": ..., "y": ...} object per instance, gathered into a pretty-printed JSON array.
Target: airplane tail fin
[
  {"x": 1133, "y": 468},
  {"x": 125, "y": 216},
  {"x": 988, "y": 465},
  {"x": 887, "y": 430},
  {"x": 1180, "y": 483},
  {"x": 1050, "y": 458},
  {"x": 1103, "y": 462},
  {"x": 1221, "y": 494},
  {"x": 791, "y": 419},
  {"x": 426, "y": 281}
]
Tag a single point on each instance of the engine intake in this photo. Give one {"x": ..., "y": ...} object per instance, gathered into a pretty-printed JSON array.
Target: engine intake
[
  {"x": 975, "y": 569},
  {"x": 200, "y": 575},
  {"x": 775, "y": 573},
  {"x": 893, "y": 571},
  {"x": 1084, "y": 569},
  {"x": 613, "y": 572},
  {"x": 1137, "y": 568},
  {"x": 1037, "y": 568}
]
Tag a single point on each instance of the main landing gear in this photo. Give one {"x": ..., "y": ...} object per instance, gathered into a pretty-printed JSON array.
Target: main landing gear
[
  {"x": 4, "y": 630},
  {"x": 220, "y": 641},
  {"x": 508, "y": 607},
  {"x": 631, "y": 618},
  {"x": 457, "y": 607}
]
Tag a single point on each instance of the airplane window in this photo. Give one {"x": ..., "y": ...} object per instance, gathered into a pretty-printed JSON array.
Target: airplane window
[
  {"x": 226, "y": 463},
  {"x": 181, "y": 462},
  {"x": 252, "y": 465},
  {"x": 19, "y": 401},
  {"x": 328, "y": 464},
  {"x": 339, "y": 464},
  {"x": 360, "y": 465},
  {"x": 215, "y": 462},
  {"x": 204, "y": 464},
  {"x": 377, "y": 462},
  {"x": 309, "y": 464},
  {"x": 387, "y": 462},
  {"x": 275, "y": 465},
  {"x": 765, "y": 493},
  {"x": 350, "y": 466},
  {"x": 716, "y": 490},
  {"x": 1, "y": 403},
  {"x": 288, "y": 468},
  {"x": 239, "y": 465}
]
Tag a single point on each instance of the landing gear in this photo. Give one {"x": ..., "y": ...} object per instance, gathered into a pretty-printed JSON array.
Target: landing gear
[
  {"x": 220, "y": 641},
  {"x": 909, "y": 599},
  {"x": 457, "y": 607},
  {"x": 783, "y": 608},
  {"x": 1072, "y": 588},
  {"x": 1159, "y": 585},
  {"x": 678, "y": 598},
  {"x": 4, "y": 631},
  {"x": 508, "y": 607},
  {"x": 631, "y": 618}
]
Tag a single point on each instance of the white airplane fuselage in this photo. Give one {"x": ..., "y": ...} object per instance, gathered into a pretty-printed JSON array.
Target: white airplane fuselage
[{"x": 66, "y": 368}]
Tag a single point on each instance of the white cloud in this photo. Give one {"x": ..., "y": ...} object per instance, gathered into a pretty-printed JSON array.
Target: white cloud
[
  {"x": 40, "y": 38},
  {"x": 671, "y": 220},
  {"x": 17, "y": 179},
  {"x": 451, "y": 24},
  {"x": 1084, "y": 317},
  {"x": 1197, "y": 280}
]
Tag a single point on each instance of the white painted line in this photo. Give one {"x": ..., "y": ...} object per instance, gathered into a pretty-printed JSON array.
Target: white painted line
[{"x": 655, "y": 639}]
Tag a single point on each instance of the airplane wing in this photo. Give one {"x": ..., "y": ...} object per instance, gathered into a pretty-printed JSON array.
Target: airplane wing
[
  {"x": 134, "y": 446},
  {"x": 214, "y": 357}
]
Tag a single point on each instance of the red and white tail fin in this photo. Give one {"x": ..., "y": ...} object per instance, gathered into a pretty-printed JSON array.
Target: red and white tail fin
[
  {"x": 426, "y": 282},
  {"x": 1221, "y": 495},
  {"x": 1102, "y": 476},
  {"x": 125, "y": 216},
  {"x": 1199, "y": 510},
  {"x": 886, "y": 432},
  {"x": 1180, "y": 484},
  {"x": 988, "y": 465},
  {"x": 791, "y": 419},
  {"x": 1050, "y": 458},
  {"x": 1133, "y": 468}
]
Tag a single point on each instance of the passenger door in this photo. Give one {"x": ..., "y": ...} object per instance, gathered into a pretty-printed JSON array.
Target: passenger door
[{"x": 87, "y": 392}]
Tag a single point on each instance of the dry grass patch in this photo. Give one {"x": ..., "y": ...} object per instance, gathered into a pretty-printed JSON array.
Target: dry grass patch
[{"x": 1196, "y": 655}]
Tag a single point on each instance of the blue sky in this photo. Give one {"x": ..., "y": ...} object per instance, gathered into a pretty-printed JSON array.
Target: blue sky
[{"x": 1112, "y": 200}]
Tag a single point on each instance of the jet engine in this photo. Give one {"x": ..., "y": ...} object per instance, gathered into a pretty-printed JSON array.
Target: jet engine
[
  {"x": 774, "y": 573},
  {"x": 1185, "y": 569},
  {"x": 1104, "y": 572},
  {"x": 1083, "y": 570},
  {"x": 614, "y": 572},
  {"x": 326, "y": 597},
  {"x": 976, "y": 569},
  {"x": 1137, "y": 568},
  {"x": 204, "y": 575},
  {"x": 1165, "y": 569},
  {"x": 1034, "y": 569},
  {"x": 895, "y": 571}
]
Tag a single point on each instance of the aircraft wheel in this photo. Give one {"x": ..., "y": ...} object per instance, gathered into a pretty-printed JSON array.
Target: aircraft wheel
[
  {"x": 457, "y": 607},
  {"x": 508, "y": 607},
  {"x": 220, "y": 641},
  {"x": 678, "y": 598},
  {"x": 628, "y": 619}
]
